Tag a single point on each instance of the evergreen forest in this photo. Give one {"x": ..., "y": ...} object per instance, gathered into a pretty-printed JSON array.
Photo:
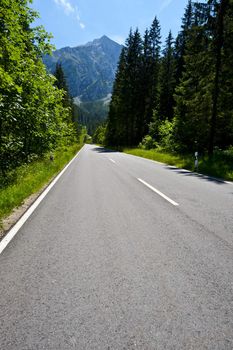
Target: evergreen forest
[{"x": 179, "y": 96}]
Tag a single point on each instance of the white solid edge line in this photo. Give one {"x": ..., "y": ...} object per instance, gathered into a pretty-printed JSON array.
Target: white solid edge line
[
  {"x": 11, "y": 234},
  {"x": 159, "y": 193},
  {"x": 113, "y": 161}
]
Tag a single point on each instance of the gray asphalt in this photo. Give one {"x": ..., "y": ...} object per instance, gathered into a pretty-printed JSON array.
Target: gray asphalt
[{"x": 106, "y": 263}]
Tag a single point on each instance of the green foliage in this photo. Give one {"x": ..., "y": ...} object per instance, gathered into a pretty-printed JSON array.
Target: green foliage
[
  {"x": 163, "y": 157},
  {"x": 219, "y": 166},
  {"x": 87, "y": 139},
  {"x": 164, "y": 136},
  {"x": 99, "y": 136},
  {"x": 30, "y": 178},
  {"x": 204, "y": 109},
  {"x": 148, "y": 143},
  {"x": 33, "y": 119},
  {"x": 165, "y": 132}
]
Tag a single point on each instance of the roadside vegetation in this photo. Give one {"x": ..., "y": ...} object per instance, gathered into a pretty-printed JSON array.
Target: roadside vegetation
[
  {"x": 38, "y": 132},
  {"x": 173, "y": 101},
  {"x": 30, "y": 178},
  {"x": 220, "y": 165}
]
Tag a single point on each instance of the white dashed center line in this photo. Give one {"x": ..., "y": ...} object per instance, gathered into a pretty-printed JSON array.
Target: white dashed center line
[{"x": 158, "y": 192}]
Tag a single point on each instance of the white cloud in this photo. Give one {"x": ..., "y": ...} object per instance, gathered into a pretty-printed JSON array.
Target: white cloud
[
  {"x": 164, "y": 5},
  {"x": 69, "y": 9},
  {"x": 66, "y": 5},
  {"x": 82, "y": 25}
]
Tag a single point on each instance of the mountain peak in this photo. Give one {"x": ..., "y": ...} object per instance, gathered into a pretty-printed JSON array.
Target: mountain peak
[
  {"x": 104, "y": 40},
  {"x": 89, "y": 69}
]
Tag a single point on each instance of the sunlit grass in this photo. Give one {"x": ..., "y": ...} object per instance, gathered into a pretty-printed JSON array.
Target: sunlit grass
[
  {"x": 30, "y": 178},
  {"x": 219, "y": 165}
]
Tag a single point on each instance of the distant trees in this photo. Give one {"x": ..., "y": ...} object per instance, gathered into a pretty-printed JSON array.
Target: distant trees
[
  {"x": 61, "y": 84},
  {"x": 183, "y": 94},
  {"x": 33, "y": 118}
]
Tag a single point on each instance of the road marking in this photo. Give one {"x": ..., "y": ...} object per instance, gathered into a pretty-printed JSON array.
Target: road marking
[
  {"x": 159, "y": 193},
  {"x": 11, "y": 234},
  {"x": 111, "y": 160}
]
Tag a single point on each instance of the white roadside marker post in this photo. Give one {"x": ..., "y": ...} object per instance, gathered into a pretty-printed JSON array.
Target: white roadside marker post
[{"x": 196, "y": 161}]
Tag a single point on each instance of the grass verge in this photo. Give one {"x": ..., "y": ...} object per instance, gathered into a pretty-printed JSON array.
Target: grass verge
[
  {"x": 30, "y": 178},
  {"x": 219, "y": 166}
]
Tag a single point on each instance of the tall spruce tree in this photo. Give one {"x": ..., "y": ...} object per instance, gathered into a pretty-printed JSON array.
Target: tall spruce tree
[
  {"x": 126, "y": 108},
  {"x": 154, "y": 58},
  {"x": 117, "y": 122},
  {"x": 218, "y": 42},
  {"x": 167, "y": 80},
  {"x": 181, "y": 40},
  {"x": 152, "y": 51},
  {"x": 146, "y": 83},
  {"x": 194, "y": 93},
  {"x": 134, "y": 94},
  {"x": 224, "y": 122},
  {"x": 61, "y": 84}
]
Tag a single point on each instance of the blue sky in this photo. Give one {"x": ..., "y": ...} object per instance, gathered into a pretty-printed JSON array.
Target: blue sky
[{"x": 75, "y": 22}]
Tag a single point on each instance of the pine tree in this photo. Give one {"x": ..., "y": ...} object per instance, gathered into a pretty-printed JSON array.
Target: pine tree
[
  {"x": 194, "y": 93},
  {"x": 151, "y": 71},
  {"x": 154, "y": 57},
  {"x": 117, "y": 123},
  {"x": 167, "y": 81},
  {"x": 126, "y": 108},
  {"x": 135, "y": 103},
  {"x": 218, "y": 50},
  {"x": 61, "y": 84},
  {"x": 146, "y": 82},
  {"x": 181, "y": 40},
  {"x": 224, "y": 122}
]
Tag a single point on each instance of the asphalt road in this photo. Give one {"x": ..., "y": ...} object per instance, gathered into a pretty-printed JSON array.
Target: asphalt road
[{"x": 108, "y": 262}]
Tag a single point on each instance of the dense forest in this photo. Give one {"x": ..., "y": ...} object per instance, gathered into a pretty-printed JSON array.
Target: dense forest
[
  {"x": 179, "y": 98},
  {"x": 35, "y": 109}
]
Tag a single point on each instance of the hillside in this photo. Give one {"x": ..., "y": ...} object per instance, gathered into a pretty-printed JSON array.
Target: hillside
[{"x": 90, "y": 73}]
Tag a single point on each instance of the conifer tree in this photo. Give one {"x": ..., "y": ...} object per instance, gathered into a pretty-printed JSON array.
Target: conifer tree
[
  {"x": 117, "y": 123},
  {"x": 126, "y": 108},
  {"x": 151, "y": 69},
  {"x": 224, "y": 122},
  {"x": 61, "y": 84},
  {"x": 154, "y": 57},
  {"x": 218, "y": 50},
  {"x": 181, "y": 40},
  {"x": 167, "y": 80},
  {"x": 194, "y": 93}
]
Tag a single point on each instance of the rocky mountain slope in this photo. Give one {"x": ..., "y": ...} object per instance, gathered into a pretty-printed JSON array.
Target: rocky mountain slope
[{"x": 89, "y": 69}]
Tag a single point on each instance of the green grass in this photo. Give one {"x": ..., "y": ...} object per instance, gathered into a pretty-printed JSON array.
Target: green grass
[
  {"x": 30, "y": 178},
  {"x": 219, "y": 166}
]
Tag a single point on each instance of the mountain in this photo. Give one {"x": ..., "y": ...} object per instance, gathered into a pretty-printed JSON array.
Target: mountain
[
  {"x": 90, "y": 72},
  {"x": 89, "y": 69}
]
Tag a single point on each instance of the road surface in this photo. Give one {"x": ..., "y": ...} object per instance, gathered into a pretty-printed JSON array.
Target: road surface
[{"x": 123, "y": 253}]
